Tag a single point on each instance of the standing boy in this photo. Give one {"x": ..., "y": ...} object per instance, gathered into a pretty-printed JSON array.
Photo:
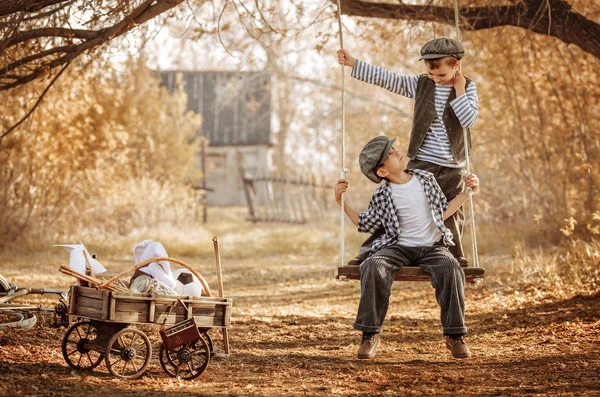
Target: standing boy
[
  {"x": 410, "y": 208},
  {"x": 445, "y": 103}
]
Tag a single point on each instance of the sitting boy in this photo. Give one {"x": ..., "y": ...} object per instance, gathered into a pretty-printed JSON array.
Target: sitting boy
[{"x": 411, "y": 209}]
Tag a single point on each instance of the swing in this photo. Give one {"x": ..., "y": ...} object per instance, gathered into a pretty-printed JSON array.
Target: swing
[{"x": 473, "y": 275}]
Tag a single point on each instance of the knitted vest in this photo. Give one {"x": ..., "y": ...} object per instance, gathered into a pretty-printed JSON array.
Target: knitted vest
[{"x": 424, "y": 115}]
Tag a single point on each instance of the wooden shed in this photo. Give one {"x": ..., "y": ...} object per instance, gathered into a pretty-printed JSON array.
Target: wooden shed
[{"x": 236, "y": 113}]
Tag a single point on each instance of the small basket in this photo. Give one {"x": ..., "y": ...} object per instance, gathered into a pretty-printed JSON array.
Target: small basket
[{"x": 182, "y": 333}]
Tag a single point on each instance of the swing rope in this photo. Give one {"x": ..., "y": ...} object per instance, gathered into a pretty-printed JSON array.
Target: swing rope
[
  {"x": 467, "y": 154},
  {"x": 343, "y": 170}
]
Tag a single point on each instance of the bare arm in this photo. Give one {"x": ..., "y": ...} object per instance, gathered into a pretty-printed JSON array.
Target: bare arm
[
  {"x": 471, "y": 181},
  {"x": 340, "y": 187}
]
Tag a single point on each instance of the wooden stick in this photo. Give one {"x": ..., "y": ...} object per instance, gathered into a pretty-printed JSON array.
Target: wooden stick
[
  {"x": 7, "y": 298},
  {"x": 90, "y": 279},
  {"x": 16, "y": 306},
  {"x": 158, "y": 259},
  {"x": 88, "y": 266},
  {"x": 218, "y": 265},
  {"x": 225, "y": 331}
]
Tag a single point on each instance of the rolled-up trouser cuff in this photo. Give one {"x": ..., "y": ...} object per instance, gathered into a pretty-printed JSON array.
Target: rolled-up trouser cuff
[
  {"x": 454, "y": 330},
  {"x": 367, "y": 328}
]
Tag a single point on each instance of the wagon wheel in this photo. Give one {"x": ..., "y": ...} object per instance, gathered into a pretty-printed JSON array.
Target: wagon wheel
[
  {"x": 76, "y": 346},
  {"x": 17, "y": 319},
  {"x": 207, "y": 338},
  {"x": 128, "y": 353},
  {"x": 169, "y": 359},
  {"x": 186, "y": 362}
]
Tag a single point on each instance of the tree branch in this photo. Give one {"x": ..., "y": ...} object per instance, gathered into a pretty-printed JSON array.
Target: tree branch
[
  {"x": 49, "y": 32},
  {"x": 39, "y": 100},
  {"x": 93, "y": 39},
  {"x": 553, "y": 18},
  {"x": 8, "y": 7}
]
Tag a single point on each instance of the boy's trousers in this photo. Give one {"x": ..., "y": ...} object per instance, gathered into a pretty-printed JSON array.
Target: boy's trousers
[
  {"x": 377, "y": 275},
  {"x": 451, "y": 182}
]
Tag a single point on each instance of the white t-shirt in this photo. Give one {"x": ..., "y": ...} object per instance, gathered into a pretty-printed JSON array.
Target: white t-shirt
[{"x": 417, "y": 227}]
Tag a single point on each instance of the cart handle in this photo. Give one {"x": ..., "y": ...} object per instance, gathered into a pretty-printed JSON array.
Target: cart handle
[{"x": 158, "y": 259}]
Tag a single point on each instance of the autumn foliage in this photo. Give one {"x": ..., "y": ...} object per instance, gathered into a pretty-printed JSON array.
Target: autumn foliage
[{"x": 107, "y": 152}]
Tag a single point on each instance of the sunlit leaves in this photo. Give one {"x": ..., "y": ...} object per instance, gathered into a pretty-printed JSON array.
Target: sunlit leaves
[{"x": 102, "y": 154}]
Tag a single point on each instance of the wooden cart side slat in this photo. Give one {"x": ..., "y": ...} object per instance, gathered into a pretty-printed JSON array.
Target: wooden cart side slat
[
  {"x": 112, "y": 307},
  {"x": 91, "y": 292},
  {"x": 201, "y": 321},
  {"x": 225, "y": 331},
  {"x": 84, "y": 301},
  {"x": 168, "y": 299},
  {"x": 151, "y": 312},
  {"x": 88, "y": 312},
  {"x": 104, "y": 309},
  {"x": 72, "y": 299},
  {"x": 125, "y": 305},
  {"x": 122, "y": 307},
  {"x": 228, "y": 314},
  {"x": 188, "y": 311}
]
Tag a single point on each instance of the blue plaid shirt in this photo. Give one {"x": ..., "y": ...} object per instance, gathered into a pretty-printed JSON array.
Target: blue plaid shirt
[{"x": 382, "y": 211}]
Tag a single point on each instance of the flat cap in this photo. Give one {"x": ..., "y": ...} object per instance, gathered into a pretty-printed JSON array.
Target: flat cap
[
  {"x": 373, "y": 155},
  {"x": 442, "y": 47}
]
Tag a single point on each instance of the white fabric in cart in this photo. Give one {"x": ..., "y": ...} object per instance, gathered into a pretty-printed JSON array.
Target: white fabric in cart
[{"x": 159, "y": 270}]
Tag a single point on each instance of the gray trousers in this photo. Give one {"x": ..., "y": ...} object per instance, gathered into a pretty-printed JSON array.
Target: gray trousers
[{"x": 377, "y": 275}]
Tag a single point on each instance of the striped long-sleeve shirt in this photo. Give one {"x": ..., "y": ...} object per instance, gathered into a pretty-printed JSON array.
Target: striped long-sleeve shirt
[{"x": 436, "y": 146}]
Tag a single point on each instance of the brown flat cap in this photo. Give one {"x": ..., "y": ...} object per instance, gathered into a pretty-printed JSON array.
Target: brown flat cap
[
  {"x": 373, "y": 155},
  {"x": 442, "y": 47}
]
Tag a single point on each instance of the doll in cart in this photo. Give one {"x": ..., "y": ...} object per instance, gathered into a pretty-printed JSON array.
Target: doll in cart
[{"x": 157, "y": 277}]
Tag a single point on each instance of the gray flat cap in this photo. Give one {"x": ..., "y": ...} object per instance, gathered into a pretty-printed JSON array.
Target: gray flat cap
[
  {"x": 373, "y": 155},
  {"x": 442, "y": 47}
]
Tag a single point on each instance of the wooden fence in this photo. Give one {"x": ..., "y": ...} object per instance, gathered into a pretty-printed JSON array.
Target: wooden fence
[{"x": 273, "y": 198}]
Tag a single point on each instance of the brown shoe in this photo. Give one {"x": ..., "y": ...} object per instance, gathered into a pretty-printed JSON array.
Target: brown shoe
[
  {"x": 458, "y": 346},
  {"x": 368, "y": 346}
]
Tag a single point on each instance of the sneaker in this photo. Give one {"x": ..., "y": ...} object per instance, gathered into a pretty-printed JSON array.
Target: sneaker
[
  {"x": 463, "y": 262},
  {"x": 368, "y": 346},
  {"x": 458, "y": 346}
]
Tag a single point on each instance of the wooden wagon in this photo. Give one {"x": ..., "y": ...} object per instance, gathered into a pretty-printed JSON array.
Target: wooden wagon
[{"x": 104, "y": 328}]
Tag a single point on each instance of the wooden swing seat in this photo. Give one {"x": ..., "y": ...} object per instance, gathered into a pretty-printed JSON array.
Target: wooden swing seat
[{"x": 409, "y": 273}]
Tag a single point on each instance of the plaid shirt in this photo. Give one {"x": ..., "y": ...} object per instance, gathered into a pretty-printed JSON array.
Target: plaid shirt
[{"x": 382, "y": 212}]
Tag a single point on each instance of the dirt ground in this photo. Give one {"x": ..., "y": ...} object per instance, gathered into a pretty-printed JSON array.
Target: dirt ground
[{"x": 292, "y": 334}]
